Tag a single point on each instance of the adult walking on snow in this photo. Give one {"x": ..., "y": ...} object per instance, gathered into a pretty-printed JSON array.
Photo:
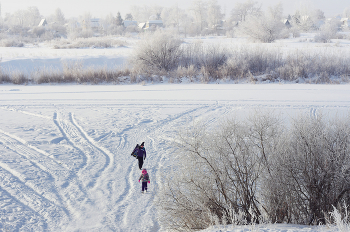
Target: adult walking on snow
[{"x": 141, "y": 154}]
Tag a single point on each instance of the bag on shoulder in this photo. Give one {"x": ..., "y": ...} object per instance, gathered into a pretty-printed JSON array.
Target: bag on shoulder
[{"x": 134, "y": 152}]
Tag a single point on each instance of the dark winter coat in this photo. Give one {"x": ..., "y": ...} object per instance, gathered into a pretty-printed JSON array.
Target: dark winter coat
[{"x": 141, "y": 152}]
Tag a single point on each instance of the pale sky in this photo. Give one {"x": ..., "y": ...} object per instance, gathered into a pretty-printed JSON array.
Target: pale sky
[{"x": 100, "y": 8}]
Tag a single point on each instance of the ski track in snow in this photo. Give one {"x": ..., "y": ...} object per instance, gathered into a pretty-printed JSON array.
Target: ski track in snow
[{"x": 95, "y": 187}]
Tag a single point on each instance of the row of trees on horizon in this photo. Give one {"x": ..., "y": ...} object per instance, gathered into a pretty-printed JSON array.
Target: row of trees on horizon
[{"x": 201, "y": 18}]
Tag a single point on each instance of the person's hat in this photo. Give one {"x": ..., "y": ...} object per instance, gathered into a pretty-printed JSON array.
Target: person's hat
[{"x": 142, "y": 144}]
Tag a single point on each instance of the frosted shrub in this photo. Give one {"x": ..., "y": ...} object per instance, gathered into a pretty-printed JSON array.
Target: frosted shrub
[
  {"x": 158, "y": 51},
  {"x": 234, "y": 69},
  {"x": 189, "y": 72},
  {"x": 217, "y": 175},
  {"x": 47, "y": 75},
  {"x": 162, "y": 55},
  {"x": 257, "y": 170},
  {"x": 295, "y": 31},
  {"x": 18, "y": 78},
  {"x": 264, "y": 28},
  {"x": 211, "y": 58},
  {"x": 4, "y": 77},
  {"x": 311, "y": 172},
  {"x": 86, "y": 33},
  {"x": 341, "y": 218},
  {"x": 11, "y": 43},
  {"x": 38, "y": 31},
  {"x": 327, "y": 32},
  {"x": 230, "y": 34}
]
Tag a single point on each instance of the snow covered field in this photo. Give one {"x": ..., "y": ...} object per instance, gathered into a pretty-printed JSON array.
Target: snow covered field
[
  {"x": 65, "y": 161},
  {"x": 32, "y": 58}
]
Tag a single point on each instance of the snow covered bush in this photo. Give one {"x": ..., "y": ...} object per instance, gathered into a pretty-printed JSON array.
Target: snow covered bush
[
  {"x": 211, "y": 59},
  {"x": 311, "y": 172},
  {"x": 265, "y": 28},
  {"x": 217, "y": 175},
  {"x": 4, "y": 77},
  {"x": 243, "y": 61},
  {"x": 38, "y": 31},
  {"x": 257, "y": 168},
  {"x": 340, "y": 217},
  {"x": 18, "y": 78},
  {"x": 189, "y": 72},
  {"x": 158, "y": 51},
  {"x": 328, "y": 31},
  {"x": 74, "y": 72},
  {"x": 11, "y": 42}
]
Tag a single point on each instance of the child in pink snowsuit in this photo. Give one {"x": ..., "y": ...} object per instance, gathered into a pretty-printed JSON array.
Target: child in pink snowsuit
[{"x": 144, "y": 178}]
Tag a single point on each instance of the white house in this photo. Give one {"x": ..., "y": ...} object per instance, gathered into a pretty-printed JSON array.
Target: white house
[
  {"x": 154, "y": 23},
  {"x": 142, "y": 25},
  {"x": 42, "y": 23},
  {"x": 151, "y": 24}
]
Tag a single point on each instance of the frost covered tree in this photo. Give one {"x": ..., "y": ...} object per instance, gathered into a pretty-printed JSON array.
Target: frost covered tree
[
  {"x": 33, "y": 16},
  {"x": 266, "y": 27},
  {"x": 56, "y": 25},
  {"x": 110, "y": 27},
  {"x": 244, "y": 9},
  {"x": 59, "y": 17},
  {"x": 118, "y": 20},
  {"x": 306, "y": 17},
  {"x": 175, "y": 17},
  {"x": 21, "y": 21},
  {"x": 171, "y": 17},
  {"x": 140, "y": 13},
  {"x": 25, "y": 18},
  {"x": 17, "y": 18},
  {"x": 319, "y": 14},
  {"x": 86, "y": 25},
  {"x": 199, "y": 9},
  {"x": 214, "y": 14},
  {"x": 217, "y": 174},
  {"x": 241, "y": 170},
  {"x": 313, "y": 169},
  {"x": 328, "y": 31},
  {"x": 129, "y": 17},
  {"x": 143, "y": 13},
  {"x": 346, "y": 12}
]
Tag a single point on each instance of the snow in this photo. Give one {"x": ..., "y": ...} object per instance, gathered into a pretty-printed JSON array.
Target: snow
[
  {"x": 65, "y": 161},
  {"x": 31, "y": 58},
  {"x": 271, "y": 228}
]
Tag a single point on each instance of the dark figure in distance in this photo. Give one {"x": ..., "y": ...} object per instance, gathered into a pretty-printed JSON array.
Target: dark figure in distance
[{"x": 141, "y": 154}]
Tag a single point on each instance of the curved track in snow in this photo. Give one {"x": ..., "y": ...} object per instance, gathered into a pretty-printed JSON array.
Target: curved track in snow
[{"x": 65, "y": 161}]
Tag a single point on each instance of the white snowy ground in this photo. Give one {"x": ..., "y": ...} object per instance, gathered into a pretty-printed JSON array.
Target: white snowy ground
[
  {"x": 31, "y": 58},
  {"x": 65, "y": 161}
]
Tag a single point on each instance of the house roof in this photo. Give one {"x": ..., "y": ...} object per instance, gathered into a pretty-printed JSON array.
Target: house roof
[
  {"x": 156, "y": 21},
  {"x": 42, "y": 22},
  {"x": 129, "y": 22},
  {"x": 142, "y": 25}
]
